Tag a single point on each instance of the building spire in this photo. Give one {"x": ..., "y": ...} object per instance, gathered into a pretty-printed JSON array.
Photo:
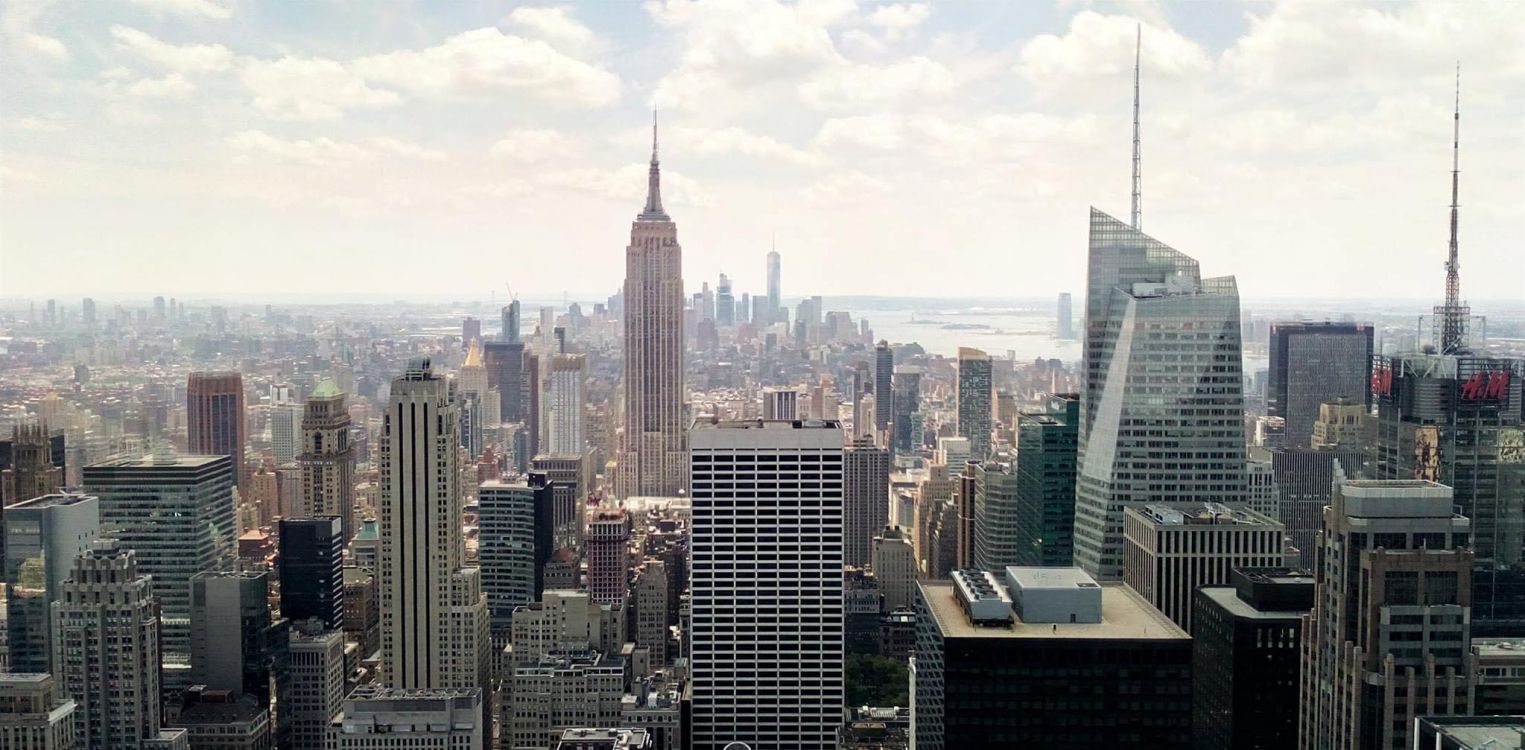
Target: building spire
[
  {"x": 1454, "y": 315},
  {"x": 653, "y": 210},
  {"x": 1137, "y": 56}
]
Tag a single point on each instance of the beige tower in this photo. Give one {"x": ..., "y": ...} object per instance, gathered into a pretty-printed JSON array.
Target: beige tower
[
  {"x": 327, "y": 459},
  {"x": 653, "y": 458}
]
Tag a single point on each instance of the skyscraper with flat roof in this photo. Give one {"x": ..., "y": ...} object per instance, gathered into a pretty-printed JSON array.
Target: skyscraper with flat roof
[
  {"x": 866, "y": 498},
  {"x": 1045, "y": 468},
  {"x": 311, "y": 565},
  {"x": 905, "y": 401},
  {"x": 1313, "y": 363},
  {"x": 516, "y": 533},
  {"x": 215, "y": 421},
  {"x": 884, "y": 372},
  {"x": 1162, "y": 410},
  {"x": 974, "y": 400},
  {"x": 775, "y": 286},
  {"x": 564, "y": 404},
  {"x": 327, "y": 460},
  {"x": 43, "y": 536}
]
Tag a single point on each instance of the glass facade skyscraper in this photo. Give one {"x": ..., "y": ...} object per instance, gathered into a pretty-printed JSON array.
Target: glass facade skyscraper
[
  {"x": 1163, "y": 399},
  {"x": 1313, "y": 363}
]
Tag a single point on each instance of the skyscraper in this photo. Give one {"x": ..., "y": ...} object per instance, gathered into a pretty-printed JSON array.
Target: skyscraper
[
  {"x": 215, "y": 420},
  {"x": 780, "y": 403},
  {"x": 235, "y": 644},
  {"x": 311, "y": 565},
  {"x": 1313, "y": 363},
  {"x": 653, "y": 459},
  {"x": 1389, "y": 638},
  {"x": 1065, "y": 328},
  {"x": 904, "y": 402},
  {"x": 973, "y": 395},
  {"x": 473, "y": 390},
  {"x": 33, "y": 716},
  {"x": 725, "y": 304},
  {"x": 865, "y": 498},
  {"x": 176, "y": 515},
  {"x": 509, "y": 333},
  {"x": 564, "y": 404},
  {"x": 43, "y": 537},
  {"x": 516, "y": 531},
  {"x": 31, "y": 470},
  {"x": 434, "y": 629},
  {"x": 775, "y": 287},
  {"x": 884, "y": 372},
  {"x": 608, "y": 555},
  {"x": 1162, "y": 413},
  {"x": 1045, "y": 468},
  {"x": 749, "y": 559},
  {"x": 317, "y": 686},
  {"x": 327, "y": 459},
  {"x": 505, "y": 371},
  {"x": 106, "y": 648}
]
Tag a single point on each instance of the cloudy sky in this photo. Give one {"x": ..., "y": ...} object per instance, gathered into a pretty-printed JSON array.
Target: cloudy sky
[{"x": 205, "y": 147}]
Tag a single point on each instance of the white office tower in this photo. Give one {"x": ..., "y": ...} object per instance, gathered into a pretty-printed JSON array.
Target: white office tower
[
  {"x": 285, "y": 432},
  {"x": 865, "y": 498},
  {"x": 766, "y": 627},
  {"x": 1162, "y": 412},
  {"x": 33, "y": 716},
  {"x": 433, "y": 612},
  {"x": 106, "y": 651},
  {"x": 564, "y": 404},
  {"x": 780, "y": 403},
  {"x": 952, "y": 452},
  {"x": 316, "y": 696},
  {"x": 376, "y": 718}
]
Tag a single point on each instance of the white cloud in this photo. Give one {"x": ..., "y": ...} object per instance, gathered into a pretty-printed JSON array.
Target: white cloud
[
  {"x": 43, "y": 46},
  {"x": 900, "y": 19},
  {"x": 554, "y": 25},
  {"x": 845, "y": 187},
  {"x": 914, "y": 79},
  {"x": 404, "y": 149},
  {"x": 628, "y": 183},
  {"x": 18, "y": 26},
  {"x": 320, "y": 152},
  {"x": 13, "y": 174},
  {"x": 181, "y": 58},
  {"x": 531, "y": 146},
  {"x": 954, "y": 140},
  {"x": 486, "y": 61},
  {"x": 51, "y": 122},
  {"x": 1102, "y": 46},
  {"x": 312, "y": 88},
  {"x": 172, "y": 86},
  {"x": 882, "y": 132},
  {"x": 216, "y": 10},
  {"x": 130, "y": 114}
]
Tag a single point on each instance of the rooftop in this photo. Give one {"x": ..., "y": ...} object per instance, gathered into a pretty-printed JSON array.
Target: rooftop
[
  {"x": 1493, "y": 732},
  {"x": 1125, "y": 616},
  {"x": 1050, "y": 578},
  {"x": 1228, "y": 598},
  {"x": 57, "y": 500},
  {"x": 1201, "y": 514}
]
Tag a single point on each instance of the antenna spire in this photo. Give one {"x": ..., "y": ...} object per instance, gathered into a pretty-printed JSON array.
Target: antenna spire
[
  {"x": 653, "y": 210},
  {"x": 1453, "y": 315},
  {"x": 1137, "y": 57}
]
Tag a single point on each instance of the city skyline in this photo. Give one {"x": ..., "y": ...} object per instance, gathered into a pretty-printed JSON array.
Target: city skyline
[{"x": 248, "y": 130}]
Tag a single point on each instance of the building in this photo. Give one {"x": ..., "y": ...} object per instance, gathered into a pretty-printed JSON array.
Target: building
[
  {"x": 1045, "y": 466},
  {"x": 434, "y": 631},
  {"x": 894, "y": 565},
  {"x": 1162, "y": 410},
  {"x": 1342, "y": 423},
  {"x": 780, "y": 403},
  {"x": 33, "y": 716},
  {"x": 749, "y": 560},
  {"x": 1045, "y": 657},
  {"x": 42, "y": 537},
  {"x": 362, "y": 610},
  {"x": 606, "y": 739},
  {"x": 1390, "y": 626},
  {"x": 653, "y": 457},
  {"x": 775, "y": 289},
  {"x": 658, "y": 708},
  {"x": 1064, "y": 329},
  {"x": 327, "y": 460},
  {"x": 316, "y": 696},
  {"x": 285, "y": 432},
  {"x": 875, "y": 728},
  {"x": 1172, "y": 549},
  {"x": 866, "y": 497},
  {"x": 564, "y": 404},
  {"x": 377, "y": 718},
  {"x": 1314, "y": 363},
  {"x": 504, "y": 361},
  {"x": 725, "y": 303},
  {"x": 571, "y": 476},
  {"x": 564, "y": 691},
  {"x": 235, "y": 645},
  {"x": 515, "y": 533},
  {"x": 1245, "y": 659},
  {"x": 995, "y": 522},
  {"x": 176, "y": 515},
  {"x": 31, "y": 464},
  {"x": 311, "y": 567},
  {"x": 884, "y": 369},
  {"x": 224, "y": 720},
  {"x": 106, "y": 648},
  {"x": 651, "y": 632},
  {"x": 215, "y": 420},
  {"x": 564, "y": 622},
  {"x": 973, "y": 394},
  {"x": 1468, "y": 732},
  {"x": 608, "y": 555},
  {"x": 1456, "y": 419},
  {"x": 905, "y": 401},
  {"x": 967, "y": 489}
]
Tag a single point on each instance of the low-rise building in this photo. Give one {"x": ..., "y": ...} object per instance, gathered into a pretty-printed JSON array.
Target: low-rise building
[
  {"x": 33, "y": 716},
  {"x": 376, "y": 718}
]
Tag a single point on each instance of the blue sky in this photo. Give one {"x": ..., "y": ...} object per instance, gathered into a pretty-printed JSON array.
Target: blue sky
[{"x": 932, "y": 149}]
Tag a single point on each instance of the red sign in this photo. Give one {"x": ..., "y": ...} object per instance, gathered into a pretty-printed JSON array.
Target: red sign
[
  {"x": 1382, "y": 382},
  {"x": 1486, "y": 385}
]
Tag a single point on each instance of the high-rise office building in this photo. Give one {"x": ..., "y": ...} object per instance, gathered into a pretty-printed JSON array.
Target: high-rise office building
[
  {"x": 780, "y": 403},
  {"x": 311, "y": 565},
  {"x": 775, "y": 287},
  {"x": 471, "y": 329},
  {"x": 516, "y": 535},
  {"x": 894, "y": 565},
  {"x": 966, "y": 489},
  {"x": 1456, "y": 419},
  {"x": 317, "y": 685},
  {"x": 33, "y": 715},
  {"x": 1045, "y": 467},
  {"x": 1162, "y": 411},
  {"x": 285, "y": 432},
  {"x": 215, "y": 421},
  {"x": 1065, "y": 328},
  {"x": 761, "y": 579},
  {"x": 1389, "y": 637},
  {"x": 651, "y": 610},
  {"x": 564, "y": 404},
  {"x": 106, "y": 651},
  {"x": 176, "y": 515},
  {"x": 472, "y": 391},
  {"x": 1172, "y": 549},
  {"x": 974, "y": 400},
  {"x": 235, "y": 644},
  {"x": 571, "y": 476},
  {"x": 534, "y": 402},
  {"x": 1045, "y": 657},
  {"x": 504, "y": 361},
  {"x": 865, "y": 498},
  {"x": 884, "y": 373},
  {"x": 608, "y": 555},
  {"x": 1313, "y": 363},
  {"x": 904, "y": 402},
  {"x": 30, "y": 465},
  {"x": 653, "y": 458},
  {"x": 725, "y": 304},
  {"x": 43, "y": 537},
  {"x": 563, "y": 691},
  {"x": 509, "y": 332},
  {"x": 1245, "y": 659},
  {"x": 434, "y": 630},
  {"x": 995, "y": 524}
]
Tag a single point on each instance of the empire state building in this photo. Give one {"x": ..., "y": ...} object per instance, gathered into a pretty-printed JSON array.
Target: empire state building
[{"x": 653, "y": 459}]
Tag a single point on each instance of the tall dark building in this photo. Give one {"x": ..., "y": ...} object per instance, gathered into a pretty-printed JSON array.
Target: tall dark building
[
  {"x": 906, "y": 401},
  {"x": 215, "y": 420},
  {"x": 532, "y": 401},
  {"x": 505, "y": 371},
  {"x": 884, "y": 394},
  {"x": 237, "y": 646},
  {"x": 1245, "y": 659},
  {"x": 516, "y": 525},
  {"x": 510, "y": 331},
  {"x": 1312, "y": 363},
  {"x": 1045, "y": 468},
  {"x": 312, "y": 570},
  {"x": 471, "y": 330}
]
